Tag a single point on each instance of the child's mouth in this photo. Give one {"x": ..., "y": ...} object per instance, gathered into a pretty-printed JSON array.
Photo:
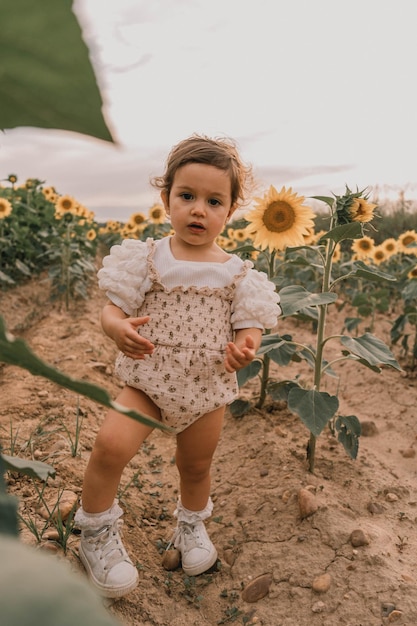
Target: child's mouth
[{"x": 196, "y": 227}]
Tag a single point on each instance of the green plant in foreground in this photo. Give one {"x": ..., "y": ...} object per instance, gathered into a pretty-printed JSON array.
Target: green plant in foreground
[{"x": 278, "y": 223}]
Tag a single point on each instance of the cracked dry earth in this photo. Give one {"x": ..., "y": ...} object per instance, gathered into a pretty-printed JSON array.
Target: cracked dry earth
[{"x": 315, "y": 571}]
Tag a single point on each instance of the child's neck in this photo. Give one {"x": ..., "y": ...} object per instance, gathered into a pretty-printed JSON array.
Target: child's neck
[{"x": 210, "y": 253}]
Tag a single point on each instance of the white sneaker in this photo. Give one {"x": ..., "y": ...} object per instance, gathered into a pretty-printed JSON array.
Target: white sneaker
[
  {"x": 107, "y": 563},
  {"x": 197, "y": 551}
]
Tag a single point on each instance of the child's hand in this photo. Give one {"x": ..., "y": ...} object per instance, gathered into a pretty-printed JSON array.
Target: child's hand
[
  {"x": 240, "y": 356},
  {"x": 126, "y": 336}
]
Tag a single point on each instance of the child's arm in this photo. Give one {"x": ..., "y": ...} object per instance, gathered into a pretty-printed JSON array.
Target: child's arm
[
  {"x": 124, "y": 331},
  {"x": 241, "y": 351}
]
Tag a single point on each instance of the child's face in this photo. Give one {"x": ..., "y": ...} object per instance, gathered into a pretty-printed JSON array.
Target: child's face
[{"x": 200, "y": 202}]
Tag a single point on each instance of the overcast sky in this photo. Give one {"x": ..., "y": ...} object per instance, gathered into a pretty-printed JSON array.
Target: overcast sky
[{"x": 317, "y": 93}]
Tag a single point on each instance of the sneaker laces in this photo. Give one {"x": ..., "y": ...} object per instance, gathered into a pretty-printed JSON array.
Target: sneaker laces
[
  {"x": 187, "y": 536},
  {"x": 108, "y": 542}
]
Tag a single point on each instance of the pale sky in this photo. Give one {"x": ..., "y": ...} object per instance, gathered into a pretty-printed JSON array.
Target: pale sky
[{"x": 317, "y": 94}]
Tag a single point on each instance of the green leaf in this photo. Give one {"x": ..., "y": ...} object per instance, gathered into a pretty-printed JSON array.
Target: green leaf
[
  {"x": 239, "y": 408},
  {"x": 410, "y": 291},
  {"x": 248, "y": 372},
  {"x": 349, "y": 430},
  {"x": 314, "y": 408},
  {"x": 16, "y": 352},
  {"x": 353, "y": 230},
  {"x": 8, "y": 515},
  {"x": 34, "y": 469},
  {"x": 328, "y": 200},
  {"x": 294, "y": 298},
  {"x": 371, "y": 273},
  {"x": 371, "y": 350},
  {"x": 6, "y": 279},
  {"x": 279, "y": 390},
  {"x": 46, "y": 77}
]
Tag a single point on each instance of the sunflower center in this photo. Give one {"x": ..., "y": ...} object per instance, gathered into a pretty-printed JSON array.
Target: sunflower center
[
  {"x": 407, "y": 240},
  {"x": 279, "y": 216},
  {"x": 364, "y": 245}
]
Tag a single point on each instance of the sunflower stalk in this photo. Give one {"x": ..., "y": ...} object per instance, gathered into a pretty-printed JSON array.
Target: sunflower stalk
[
  {"x": 266, "y": 361},
  {"x": 320, "y": 342}
]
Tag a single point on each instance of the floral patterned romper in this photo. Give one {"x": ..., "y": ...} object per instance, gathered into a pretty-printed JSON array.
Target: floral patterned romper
[{"x": 190, "y": 327}]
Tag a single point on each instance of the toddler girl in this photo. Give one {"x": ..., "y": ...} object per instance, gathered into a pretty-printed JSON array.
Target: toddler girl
[{"x": 185, "y": 316}]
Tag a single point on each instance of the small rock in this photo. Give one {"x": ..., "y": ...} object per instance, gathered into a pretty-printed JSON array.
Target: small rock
[
  {"x": 391, "y": 497},
  {"x": 358, "y": 538},
  {"x": 257, "y": 588},
  {"x": 229, "y": 556},
  {"x": 375, "y": 508},
  {"x": 264, "y": 472},
  {"x": 318, "y": 607},
  {"x": 395, "y": 615},
  {"x": 307, "y": 503},
  {"x": 409, "y": 453},
  {"x": 322, "y": 583},
  {"x": 240, "y": 509},
  {"x": 387, "y": 608},
  {"x": 280, "y": 432},
  {"x": 43, "y": 394},
  {"x": 285, "y": 496},
  {"x": 368, "y": 429},
  {"x": 51, "y": 535},
  {"x": 171, "y": 559}
]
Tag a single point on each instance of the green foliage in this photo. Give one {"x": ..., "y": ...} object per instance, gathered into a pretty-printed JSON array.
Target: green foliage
[
  {"x": 38, "y": 236},
  {"x": 315, "y": 264},
  {"x": 46, "y": 78}
]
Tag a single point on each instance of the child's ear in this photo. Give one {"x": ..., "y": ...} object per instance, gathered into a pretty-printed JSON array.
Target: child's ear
[
  {"x": 165, "y": 200},
  {"x": 232, "y": 210}
]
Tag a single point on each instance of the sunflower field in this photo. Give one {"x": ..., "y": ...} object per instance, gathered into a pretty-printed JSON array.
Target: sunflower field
[{"x": 333, "y": 256}]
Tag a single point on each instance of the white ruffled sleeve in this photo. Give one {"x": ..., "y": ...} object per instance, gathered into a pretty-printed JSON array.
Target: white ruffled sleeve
[
  {"x": 124, "y": 275},
  {"x": 256, "y": 302}
]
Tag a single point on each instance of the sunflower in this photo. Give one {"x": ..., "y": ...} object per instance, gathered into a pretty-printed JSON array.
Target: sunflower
[
  {"x": 390, "y": 246},
  {"x": 229, "y": 244},
  {"x": 12, "y": 178},
  {"x": 361, "y": 210},
  {"x": 50, "y": 194},
  {"x": 240, "y": 234},
  {"x": 5, "y": 208},
  {"x": 405, "y": 241},
  {"x": 157, "y": 214},
  {"x": 363, "y": 247},
  {"x": 279, "y": 220},
  {"x": 65, "y": 204},
  {"x": 91, "y": 234},
  {"x": 310, "y": 237},
  {"x": 318, "y": 236},
  {"x": 379, "y": 255},
  {"x": 412, "y": 273},
  {"x": 136, "y": 219}
]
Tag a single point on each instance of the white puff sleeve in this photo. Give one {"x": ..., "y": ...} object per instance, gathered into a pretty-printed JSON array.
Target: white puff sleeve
[
  {"x": 124, "y": 275},
  {"x": 256, "y": 302}
]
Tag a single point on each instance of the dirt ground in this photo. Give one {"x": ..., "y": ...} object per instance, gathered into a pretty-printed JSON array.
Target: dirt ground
[{"x": 316, "y": 573}]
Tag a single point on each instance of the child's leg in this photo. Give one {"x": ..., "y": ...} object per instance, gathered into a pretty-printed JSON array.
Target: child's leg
[
  {"x": 195, "y": 448},
  {"x": 101, "y": 549},
  {"x": 118, "y": 440}
]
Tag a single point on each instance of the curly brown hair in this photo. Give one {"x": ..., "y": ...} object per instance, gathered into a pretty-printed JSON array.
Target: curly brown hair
[{"x": 219, "y": 152}]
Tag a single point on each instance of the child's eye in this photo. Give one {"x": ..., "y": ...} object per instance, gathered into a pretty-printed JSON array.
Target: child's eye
[
  {"x": 214, "y": 202},
  {"x": 186, "y": 196}
]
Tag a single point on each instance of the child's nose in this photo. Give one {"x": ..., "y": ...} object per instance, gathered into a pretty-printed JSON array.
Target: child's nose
[{"x": 198, "y": 207}]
